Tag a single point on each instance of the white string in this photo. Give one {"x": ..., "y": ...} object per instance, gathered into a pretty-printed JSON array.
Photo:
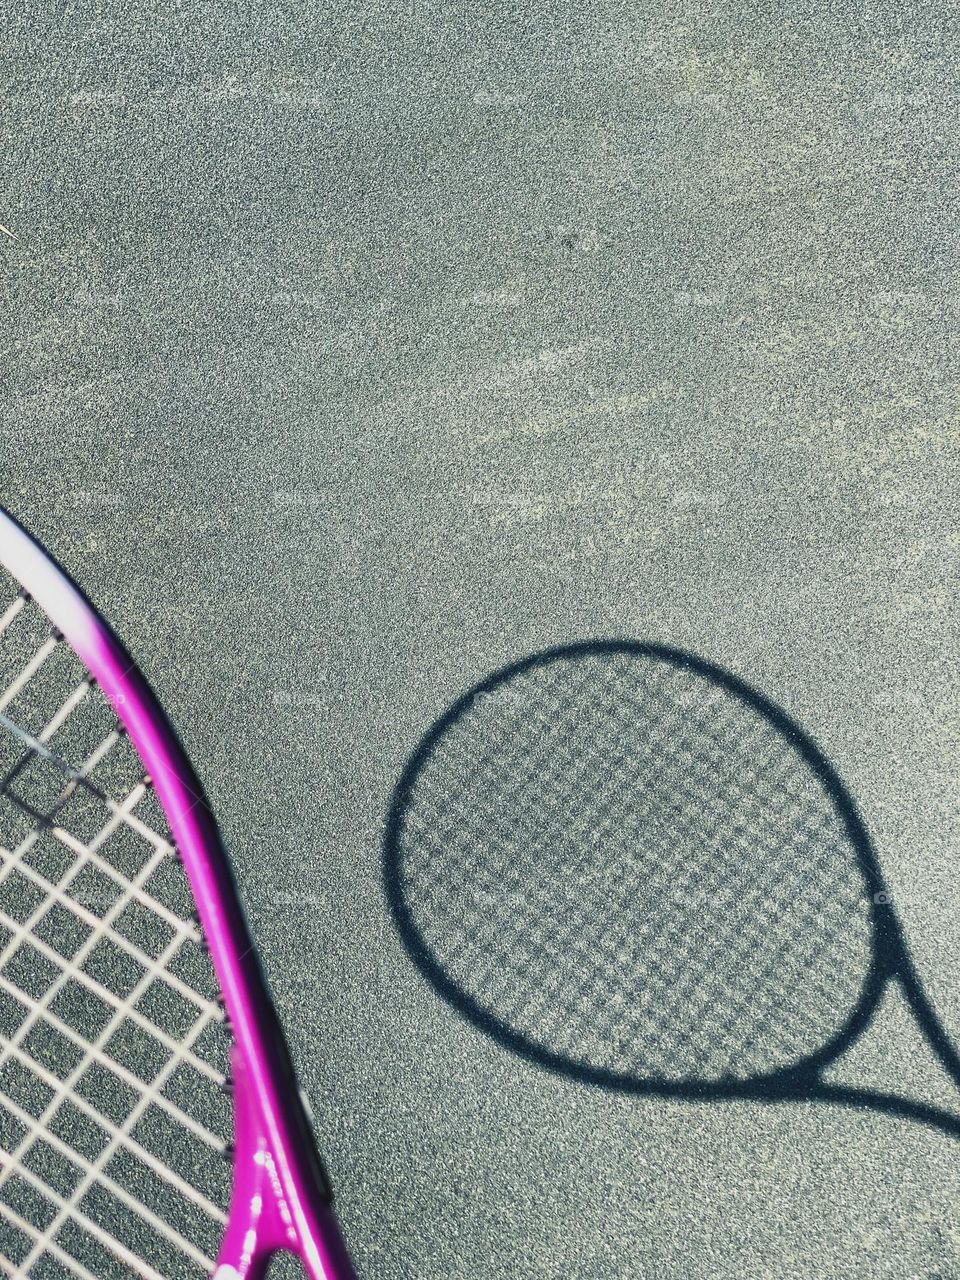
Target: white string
[
  {"x": 112, "y": 1025},
  {"x": 71, "y": 968},
  {"x": 77, "y": 1268},
  {"x": 11, "y": 612},
  {"x": 87, "y": 854},
  {"x": 69, "y": 1207},
  {"x": 117, "y": 1068},
  {"x": 136, "y": 892},
  {"x": 73, "y": 776},
  {"x": 141, "y": 1153},
  {"x": 27, "y": 674},
  {"x": 119, "y": 1250},
  {"x": 121, "y": 1193},
  {"x": 93, "y": 1171},
  {"x": 117, "y": 939},
  {"x": 71, "y": 704}
]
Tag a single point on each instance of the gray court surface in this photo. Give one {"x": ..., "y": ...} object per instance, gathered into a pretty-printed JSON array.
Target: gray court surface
[{"x": 350, "y": 352}]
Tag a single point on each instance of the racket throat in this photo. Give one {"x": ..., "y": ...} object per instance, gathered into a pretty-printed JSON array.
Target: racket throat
[
  {"x": 273, "y": 1208},
  {"x": 261, "y": 1220}
]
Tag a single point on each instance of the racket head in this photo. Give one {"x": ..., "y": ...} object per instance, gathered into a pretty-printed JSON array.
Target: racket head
[
  {"x": 280, "y": 1197},
  {"x": 569, "y": 839}
]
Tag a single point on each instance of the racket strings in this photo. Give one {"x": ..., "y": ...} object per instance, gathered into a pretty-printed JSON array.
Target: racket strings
[
  {"x": 620, "y": 861},
  {"x": 113, "y": 1122}
]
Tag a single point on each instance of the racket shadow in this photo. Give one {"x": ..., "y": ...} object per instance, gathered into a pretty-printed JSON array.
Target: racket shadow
[{"x": 627, "y": 866}]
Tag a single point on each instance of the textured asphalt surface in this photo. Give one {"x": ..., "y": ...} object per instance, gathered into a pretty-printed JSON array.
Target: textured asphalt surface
[{"x": 350, "y": 352}]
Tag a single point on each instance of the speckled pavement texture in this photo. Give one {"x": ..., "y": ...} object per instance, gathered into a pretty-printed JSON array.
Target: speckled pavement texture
[{"x": 352, "y": 351}]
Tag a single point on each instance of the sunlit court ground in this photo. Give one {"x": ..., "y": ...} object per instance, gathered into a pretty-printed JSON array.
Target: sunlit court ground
[{"x": 352, "y": 352}]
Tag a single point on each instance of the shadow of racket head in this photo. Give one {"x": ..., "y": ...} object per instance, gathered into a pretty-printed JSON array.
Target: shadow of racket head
[{"x": 628, "y": 866}]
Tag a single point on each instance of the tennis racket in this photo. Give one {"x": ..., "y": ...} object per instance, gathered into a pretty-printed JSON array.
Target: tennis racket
[
  {"x": 630, "y": 867},
  {"x": 150, "y": 1122}
]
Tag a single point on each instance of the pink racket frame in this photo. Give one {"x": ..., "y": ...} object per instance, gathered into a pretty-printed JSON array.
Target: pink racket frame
[{"x": 280, "y": 1198}]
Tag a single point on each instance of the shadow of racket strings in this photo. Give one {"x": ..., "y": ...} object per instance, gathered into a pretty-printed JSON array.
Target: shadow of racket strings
[{"x": 628, "y": 866}]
